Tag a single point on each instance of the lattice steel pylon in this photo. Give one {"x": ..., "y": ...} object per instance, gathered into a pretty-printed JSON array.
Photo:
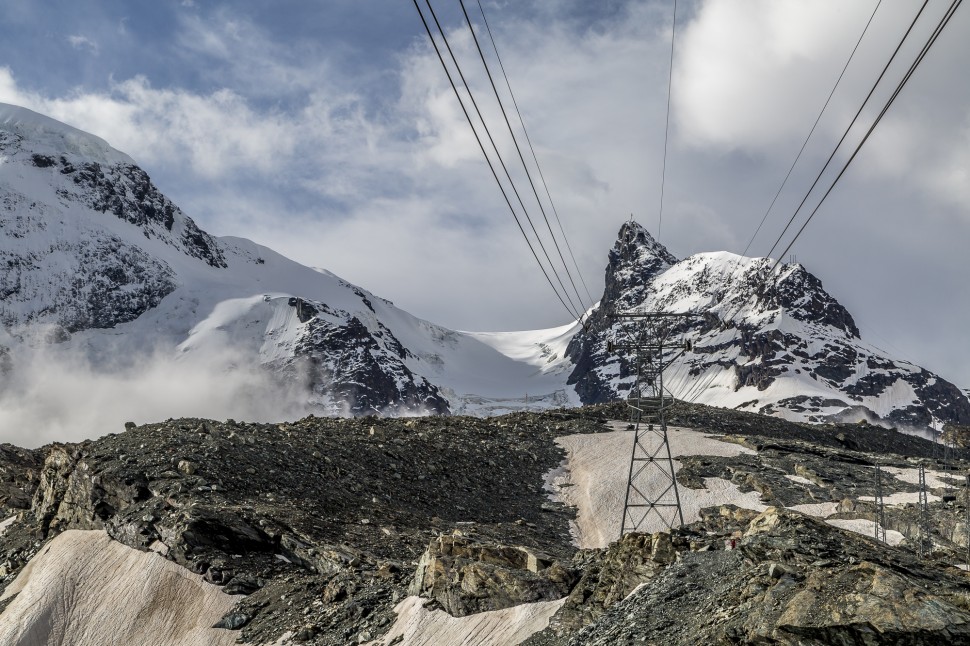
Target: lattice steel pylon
[
  {"x": 967, "y": 522},
  {"x": 924, "y": 542},
  {"x": 880, "y": 516},
  {"x": 651, "y": 484}
]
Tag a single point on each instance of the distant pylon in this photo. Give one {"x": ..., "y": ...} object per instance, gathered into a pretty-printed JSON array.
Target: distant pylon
[
  {"x": 880, "y": 529},
  {"x": 924, "y": 542},
  {"x": 651, "y": 482},
  {"x": 967, "y": 523}
]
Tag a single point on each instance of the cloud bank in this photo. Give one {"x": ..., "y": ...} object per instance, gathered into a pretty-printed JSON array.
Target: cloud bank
[
  {"x": 354, "y": 156},
  {"x": 56, "y": 395}
]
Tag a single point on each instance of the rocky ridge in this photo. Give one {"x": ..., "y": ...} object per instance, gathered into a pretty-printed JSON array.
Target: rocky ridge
[
  {"x": 774, "y": 343},
  {"x": 327, "y": 524},
  {"x": 96, "y": 263}
]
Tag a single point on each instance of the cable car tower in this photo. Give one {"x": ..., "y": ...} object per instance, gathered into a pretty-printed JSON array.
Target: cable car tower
[{"x": 652, "y": 484}]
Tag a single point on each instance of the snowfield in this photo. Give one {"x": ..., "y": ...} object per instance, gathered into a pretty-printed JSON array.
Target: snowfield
[
  {"x": 593, "y": 479},
  {"x": 417, "y": 626},
  {"x": 103, "y": 274},
  {"x": 85, "y": 589}
]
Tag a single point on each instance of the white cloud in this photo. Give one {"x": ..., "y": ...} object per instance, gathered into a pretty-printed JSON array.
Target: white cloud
[
  {"x": 744, "y": 69},
  {"x": 387, "y": 188},
  {"x": 216, "y": 134},
  {"x": 60, "y": 395},
  {"x": 83, "y": 42}
]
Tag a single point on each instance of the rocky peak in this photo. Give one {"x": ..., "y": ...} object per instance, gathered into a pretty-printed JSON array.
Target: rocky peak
[
  {"x": 635, "y": 259},
  {"x": 756, "y": 326},
  {"x": 68, "y": 167},
  {"x": 801, "y": 293}
]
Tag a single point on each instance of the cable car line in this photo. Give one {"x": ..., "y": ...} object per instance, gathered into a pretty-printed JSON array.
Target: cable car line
[
  {"x": 670, "y": 81},
  {"x": 922, "y": 55},
  {"x": 571, "y": 308},
  {"x": 488, "y": 160},
  {"x": 849, "y": 128},
  {"x": 812, "y": 131},
  {"x": 535, "y": 158},
  {"x": 518, "y": 149}
]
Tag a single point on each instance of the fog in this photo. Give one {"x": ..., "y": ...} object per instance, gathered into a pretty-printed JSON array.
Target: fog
[{"x": 49, "y": 394}]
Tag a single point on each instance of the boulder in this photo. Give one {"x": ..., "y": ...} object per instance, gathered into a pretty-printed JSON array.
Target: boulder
[{"x": 465, "y": 576}]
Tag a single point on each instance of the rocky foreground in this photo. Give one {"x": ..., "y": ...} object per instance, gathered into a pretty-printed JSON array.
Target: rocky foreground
[{"x": 343, "y": 531}]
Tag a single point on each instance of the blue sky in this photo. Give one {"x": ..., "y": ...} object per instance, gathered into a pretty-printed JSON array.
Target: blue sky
[{"x": 327, "y": 130}]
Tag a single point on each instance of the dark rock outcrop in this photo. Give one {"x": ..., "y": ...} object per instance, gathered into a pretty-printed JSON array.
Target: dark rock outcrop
[
  {"x": 323, "y": 524},
  {"x": 465, "y": 576},
  {"x": 786, "y": 579},
  {"x": 361, "y": 371}
]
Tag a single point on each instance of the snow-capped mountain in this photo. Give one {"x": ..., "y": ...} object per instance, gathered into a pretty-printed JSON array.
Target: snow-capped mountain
[
  {"x": 96, "y": 261},
  {"x": 775, "y": 343}
]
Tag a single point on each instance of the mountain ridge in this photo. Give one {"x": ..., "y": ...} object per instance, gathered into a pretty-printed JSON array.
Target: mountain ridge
[
  {"x": 754, "y": 331},
  {"x": 94, "y": 259}
]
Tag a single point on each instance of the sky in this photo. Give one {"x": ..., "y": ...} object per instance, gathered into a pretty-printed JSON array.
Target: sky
[{"x": 328, "y": 131}]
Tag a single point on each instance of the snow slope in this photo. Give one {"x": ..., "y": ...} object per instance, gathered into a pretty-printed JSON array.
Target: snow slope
[
  {"x": 85, "y": 589},
  {"x": 101, "y": 274},
  {"x": 96, "y": 263},
  {"x": 773, "y": 342}
]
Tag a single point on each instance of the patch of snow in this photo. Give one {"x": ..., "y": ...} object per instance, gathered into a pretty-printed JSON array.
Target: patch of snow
[
  {"x": 901, "y": 498},
  {"x": 800, "y": 480},
  {"x": 594, "y": 480},
  {"x": 7, "y": 523},
  {"x": 934, "y": 479},
  {"x": 866, "y": 528},
  {"x": 85, "y": 589},
  {"x": 899, "y": 395},
  {"x": 417, "y": 626},
  {"x": 817, "y": 509}
]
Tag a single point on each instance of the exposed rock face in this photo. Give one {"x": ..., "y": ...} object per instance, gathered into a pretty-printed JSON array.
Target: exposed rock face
[
  {"x": 327, "y": 525},
  {"x": 790, "y": 580},
  {"x": 753, "y": 332},
  {"x": 19, "y": 474},
  {"x": 126, "y": 191},
  {"x": 56, "y": 267},
  {"x": 466, "y": 577},
  {"x": 609, "y": 576},
  {"x": 363, "y": 370}
]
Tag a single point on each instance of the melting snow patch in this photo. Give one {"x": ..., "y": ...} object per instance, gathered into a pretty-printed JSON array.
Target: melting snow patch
[
  {"x": 817, "y": 509},
  {"x": 866, "y": 528},
  {"x": 594, "y": 479},
  {"x": 799, "y": 480},
  {"x": 934, "y": 479},
  {"x": 7, "y": 523},
  {"x": 901, "y": 498},
  {"x": 416, "y": 626},
  {"x": 85, "y": 589}
]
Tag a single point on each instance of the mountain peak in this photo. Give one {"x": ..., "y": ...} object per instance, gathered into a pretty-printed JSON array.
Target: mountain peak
[
  {"x": 633, "y": 239},
  {"x": 49, "y": 136},
  {"x": 635, "y": 259}
]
